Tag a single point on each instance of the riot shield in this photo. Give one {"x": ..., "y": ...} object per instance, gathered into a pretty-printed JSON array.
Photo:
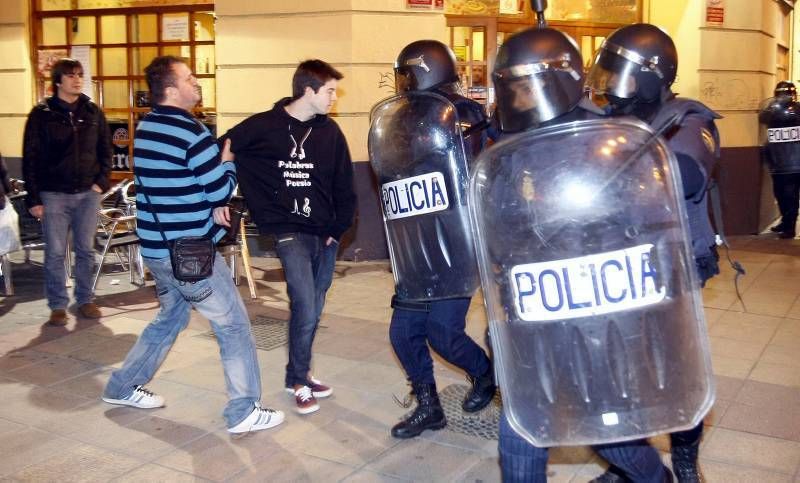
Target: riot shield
[
  {"x": 417, "y": 153},
  {"x": 591, "y": 293},
  {"x": 779, "y": 120}
]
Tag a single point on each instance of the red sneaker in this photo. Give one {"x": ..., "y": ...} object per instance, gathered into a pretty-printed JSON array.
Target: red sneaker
[
  {"x": 306, "y": 403},
  {"x": 318, "y": 389}
]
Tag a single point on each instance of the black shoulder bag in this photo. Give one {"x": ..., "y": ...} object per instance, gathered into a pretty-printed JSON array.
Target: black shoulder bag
[{"x": 192, "y": 257}]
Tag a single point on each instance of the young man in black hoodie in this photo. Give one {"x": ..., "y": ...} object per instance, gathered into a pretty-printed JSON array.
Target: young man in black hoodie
[
  {"x": 297, "y": 179},
  {"x": 66, "y": 161}
]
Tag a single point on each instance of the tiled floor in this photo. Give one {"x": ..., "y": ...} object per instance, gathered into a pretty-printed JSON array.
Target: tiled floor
[{"x": 54, "y": 428}]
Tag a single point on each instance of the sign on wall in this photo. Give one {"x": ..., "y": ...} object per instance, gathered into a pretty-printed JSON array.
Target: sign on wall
[
  {"x": 715, "y": 12},
  {"x": 437, "y": 4}
]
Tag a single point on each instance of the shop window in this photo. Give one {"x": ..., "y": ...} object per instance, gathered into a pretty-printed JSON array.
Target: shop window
[
  {"x": 477, "y": 29},
  {"x": 116, "y": 40},
  {"x": 599, "y": 11}
]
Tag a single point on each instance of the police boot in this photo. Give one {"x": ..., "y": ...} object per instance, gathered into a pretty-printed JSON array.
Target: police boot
[
  {"x": 779, "y": 228},
  {"x": 427, "y": 415},
  {"x": 684, "y": 463},
  {"x": 481, "y": 393},
  {"x": 612, "y": 475}
]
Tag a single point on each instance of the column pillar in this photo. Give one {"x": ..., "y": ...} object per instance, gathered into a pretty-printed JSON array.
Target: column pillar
[{"x": 259, "y": 44}]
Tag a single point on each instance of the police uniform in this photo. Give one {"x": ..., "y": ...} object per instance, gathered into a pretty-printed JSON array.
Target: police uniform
[
  {"x": 421, "y": 145},
  {"x": 634, "y": 69},
  {"x": 781, "y": 153},
  {"x": 440, "y": 323},
  {"x": 539, "y": 84}
]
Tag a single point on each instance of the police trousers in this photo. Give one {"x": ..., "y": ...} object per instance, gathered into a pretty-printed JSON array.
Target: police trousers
[{"x": 441, "y": 324}]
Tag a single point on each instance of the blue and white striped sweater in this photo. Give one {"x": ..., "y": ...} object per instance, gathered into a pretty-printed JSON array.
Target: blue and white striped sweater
[{"x": 177, "y": 164}]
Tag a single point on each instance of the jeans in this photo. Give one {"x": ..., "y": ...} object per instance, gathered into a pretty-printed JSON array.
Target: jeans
[
  {"x": 308, "y": 267},
  {"x": 217, "y": 299},
  {"x": 64, "y": 212},
  {"x": 520, "y": 461},
  {"x": 443, "y": 328}
]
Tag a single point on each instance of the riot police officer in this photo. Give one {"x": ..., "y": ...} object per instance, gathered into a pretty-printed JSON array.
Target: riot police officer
[
  {"x": 420, "y": 145},
  {"x": 780, "y": 118},
  {"x": 634, "y": 69},
  {"x": 539, "y": 81}
]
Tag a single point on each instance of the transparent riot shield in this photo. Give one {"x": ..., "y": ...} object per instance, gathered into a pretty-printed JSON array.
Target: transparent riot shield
[
  {"x": 590, "y": 286},
  {"x": 779, "y": 134},
  {"x": 417, "y": 153}
]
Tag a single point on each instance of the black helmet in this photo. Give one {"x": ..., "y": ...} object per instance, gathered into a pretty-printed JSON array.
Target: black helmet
[
  {"x": 635, "y": 61},
  {"x": 538, "y": 76},
  {"x": 785, "y": 89},
  {"x": 423, "y": 65}
]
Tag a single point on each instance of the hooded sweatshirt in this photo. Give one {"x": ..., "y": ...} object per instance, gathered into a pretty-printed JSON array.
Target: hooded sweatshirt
[{"x": 295, "y": 176}]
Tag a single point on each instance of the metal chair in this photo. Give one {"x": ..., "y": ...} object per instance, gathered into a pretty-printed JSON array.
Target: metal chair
[
  {"x": 234, "y": 246},
  {"x": 117, "y": 230},
  {"x": 30, "y": 233}
]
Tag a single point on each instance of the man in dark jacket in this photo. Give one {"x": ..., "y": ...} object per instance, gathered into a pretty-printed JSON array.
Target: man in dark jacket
[
  {"x": 66, "y": 162},
  {"x": 297, "y": 179}
]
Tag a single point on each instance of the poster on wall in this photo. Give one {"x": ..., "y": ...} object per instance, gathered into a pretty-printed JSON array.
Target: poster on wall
[
  {"x": 81, "y": 54},
  {"x": 715, "y": 12},
  {"x": 44, "y": 69}
]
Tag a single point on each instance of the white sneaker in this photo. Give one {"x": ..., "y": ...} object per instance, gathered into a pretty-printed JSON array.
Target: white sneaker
[
  {"x": 260, "y": 418},
  {"x": 318, "y": 389},
  {"x": 139, "y": 398}
]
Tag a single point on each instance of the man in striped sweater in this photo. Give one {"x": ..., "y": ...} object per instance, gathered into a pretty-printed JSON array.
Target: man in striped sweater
[{"x": 182, "y": 180}]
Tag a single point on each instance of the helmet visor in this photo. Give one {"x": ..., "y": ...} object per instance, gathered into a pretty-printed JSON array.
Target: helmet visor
[
  {"x": 524, "y": 102},
  {"x": 404, "y": 80},
  {"x": 614, "y": 75}
]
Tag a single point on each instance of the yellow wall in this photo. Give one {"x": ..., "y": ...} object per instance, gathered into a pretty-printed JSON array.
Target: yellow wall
[
  {"x": 730, "y": 68},
  {"x": 259, "y": 44},
  {"x": 681, "y": 20},
  {"x": 15, "y": 76}
]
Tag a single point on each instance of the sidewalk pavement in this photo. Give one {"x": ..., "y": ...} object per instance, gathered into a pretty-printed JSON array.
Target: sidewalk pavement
[{"x": 53, "y": 426}]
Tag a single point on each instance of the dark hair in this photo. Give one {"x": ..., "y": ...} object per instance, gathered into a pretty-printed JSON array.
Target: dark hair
[
  {"x": 61, "y": 67},
  {"x": 312, "y": 73},
  {"x": 159, "y": 75}
]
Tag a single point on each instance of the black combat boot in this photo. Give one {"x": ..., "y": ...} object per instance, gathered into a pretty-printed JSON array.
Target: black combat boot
[
  {"x": 684, "y": 463},
  {"x": 615, "y": 475},
  {"x": 427, "y": 415},
  {"x": 481, "y": 393},
  {"x": 611, "y": 475}
]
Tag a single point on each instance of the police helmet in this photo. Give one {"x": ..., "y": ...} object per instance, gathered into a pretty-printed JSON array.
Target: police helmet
[
  {"x": 635, "y": 62},
  {"x": 424, "y": 65},
  {"x": 785, "y": 89},
  {"x": 538, "y": 76}
]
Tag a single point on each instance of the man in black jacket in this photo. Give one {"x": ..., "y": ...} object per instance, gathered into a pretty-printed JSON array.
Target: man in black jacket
[
  {"x": 66, "y": 162},
  {"x": 295, "y": 173}
]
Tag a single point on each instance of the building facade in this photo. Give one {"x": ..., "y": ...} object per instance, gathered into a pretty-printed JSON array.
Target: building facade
[{"x": 731, "y": 54}]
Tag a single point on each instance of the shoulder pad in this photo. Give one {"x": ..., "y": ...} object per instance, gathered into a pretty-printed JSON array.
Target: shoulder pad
[{"x": 684, "y": 106}]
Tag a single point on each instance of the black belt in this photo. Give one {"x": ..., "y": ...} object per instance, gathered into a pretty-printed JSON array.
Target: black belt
[{"x": 408, "y": 305}]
